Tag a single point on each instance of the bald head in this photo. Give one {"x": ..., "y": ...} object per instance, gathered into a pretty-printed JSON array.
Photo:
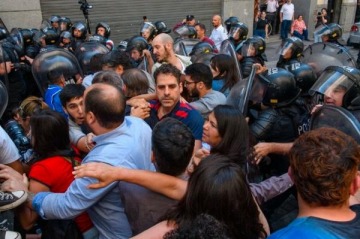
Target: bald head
[
  {"x": 107, "y": 103},
  {"x": 164, "y": 38},
  {"x": 163, "y": 47},
  {"x": 216, "y": 20}
]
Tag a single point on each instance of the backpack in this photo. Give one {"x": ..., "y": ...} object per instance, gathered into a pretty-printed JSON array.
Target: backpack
[{"x": 60, "y": 229}]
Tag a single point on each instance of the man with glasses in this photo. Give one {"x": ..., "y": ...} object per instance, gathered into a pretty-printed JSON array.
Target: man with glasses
[{"x": 198, "y": 81}]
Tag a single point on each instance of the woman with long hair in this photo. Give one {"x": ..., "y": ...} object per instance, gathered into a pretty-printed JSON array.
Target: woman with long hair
[
  {"x": 225, "y": 75},
  {"x": 51, "y": 169},
  {"x": 219, "y": 188},
  {"x": 226, "y": 132}
]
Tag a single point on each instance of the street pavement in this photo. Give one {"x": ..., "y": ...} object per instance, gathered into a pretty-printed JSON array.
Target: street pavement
[{"x": 273, "y": 48}]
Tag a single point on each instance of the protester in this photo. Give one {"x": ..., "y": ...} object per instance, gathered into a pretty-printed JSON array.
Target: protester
[{"x": 324, "y": 180}]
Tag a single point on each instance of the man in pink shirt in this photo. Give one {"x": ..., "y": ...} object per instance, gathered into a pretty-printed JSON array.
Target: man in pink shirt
[{"x": 298, "y": 28}]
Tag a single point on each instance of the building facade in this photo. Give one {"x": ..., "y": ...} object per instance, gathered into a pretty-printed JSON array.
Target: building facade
[{"x": 125, "y": 17}]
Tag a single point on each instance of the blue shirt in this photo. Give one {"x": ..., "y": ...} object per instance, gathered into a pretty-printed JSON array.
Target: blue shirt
[
  {"x": 218, "y": 84},
  {"x": 52, "y": 99},
  {"x": 317, "y": 228},
  {"x": 182, "y": 112},
  {"x": 127, "y": 146}
]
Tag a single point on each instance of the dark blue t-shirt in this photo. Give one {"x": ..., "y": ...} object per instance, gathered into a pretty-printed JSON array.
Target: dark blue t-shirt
[{"x": 182, "y": 112}]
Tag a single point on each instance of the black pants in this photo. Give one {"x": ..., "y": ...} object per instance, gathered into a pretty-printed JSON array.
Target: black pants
[{"x": 271, "y": 17}]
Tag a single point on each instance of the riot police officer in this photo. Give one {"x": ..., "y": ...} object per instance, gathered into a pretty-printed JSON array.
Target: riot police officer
[
  {"x": 290, "y": 52},
  {"x": 148, "y": 31},
  {"x": 161, "y": 27},
  {"x": 141, "y": 57},
  {"x": 103, "y": 29},
  {"x": 79, "y": 34},
  {"x": 329, "y": 33},
  {"x": 237, "y": 35},
  {"x": 252, "y": 51},
  {"x": 278, "y": 121}
]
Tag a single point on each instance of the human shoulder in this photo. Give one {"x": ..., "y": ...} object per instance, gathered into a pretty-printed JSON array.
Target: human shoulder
[
  {"x": 298, "y": 229},
  {"x": 186, "y": 60}
]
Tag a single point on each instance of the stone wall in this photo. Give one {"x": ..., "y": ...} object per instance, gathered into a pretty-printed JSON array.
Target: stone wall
[
  {"x": 243, "y": 9},
  {"x": 20, "y": 13}
]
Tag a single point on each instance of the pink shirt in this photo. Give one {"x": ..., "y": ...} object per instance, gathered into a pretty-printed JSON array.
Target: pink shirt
[{"x": 299, "y": 26}]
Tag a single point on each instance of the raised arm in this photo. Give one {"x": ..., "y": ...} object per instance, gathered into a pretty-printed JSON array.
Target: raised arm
[{"x": 161, "y": 183}]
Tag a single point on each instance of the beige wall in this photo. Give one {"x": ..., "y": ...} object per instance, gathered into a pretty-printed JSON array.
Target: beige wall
[
  {"x": 20, "y": 13},
  {"x": 243, "y": 9}
]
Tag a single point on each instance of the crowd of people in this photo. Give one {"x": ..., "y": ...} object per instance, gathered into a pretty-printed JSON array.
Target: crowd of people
[{"x": 192, "y": 137}]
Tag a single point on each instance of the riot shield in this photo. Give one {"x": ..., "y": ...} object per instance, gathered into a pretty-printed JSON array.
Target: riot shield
[
  {"x": 204, "y": 58},
  {"x": 18, "y": 41},
  {"x": 240, "y": 92},
  {"x": 45, "y": 24},
  {"x": 228, "y": 48},
  {"x": 336, "y": 117},
  {"x": 85, "y": 51},
  {"x": 3, "y": 98},
  {"x": 183, "y": 46},
  {"x": 4, "y": 68},
  {"x": 321, "y": 55},
  {"x": 58, "y": 59}
]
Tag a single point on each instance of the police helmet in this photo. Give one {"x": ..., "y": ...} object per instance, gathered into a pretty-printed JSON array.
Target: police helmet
[
  {"x": 81, "y": 27},
  {"x": 123, "y": 45},
  {"x": 201, "y": 48},
  {"x": 138, "y": 43},
  {"x": 304, "y": 75},
  {"x": 148, "y": 31},
  {"x": 51, "y": 36},
  {"x": 238, "y": 31},
  {"x": 253, "y": 46},
  {"x": 65, "y": 35},
  {"x": 335, "y": 31},
  {"x": 186, "y": 31},
  {"x": 105, "y": 26},
  {"x": 54, "y": 18},
  {"x": 27, "y": 36},
  {"x": 230, "y": 22},
  {"x": 293, "y": 48},
  {"x": 65, "y": 24},
  {"x": 97, "y": 38},
  {"x": 281, "y": 89},
  {"x": 3, "y": 33},
  {"x": 161, "y": 27},
  {"x": 339, "y": 78}
]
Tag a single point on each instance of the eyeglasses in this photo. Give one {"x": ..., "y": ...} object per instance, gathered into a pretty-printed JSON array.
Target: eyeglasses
[{"x": 189, "y": 83}]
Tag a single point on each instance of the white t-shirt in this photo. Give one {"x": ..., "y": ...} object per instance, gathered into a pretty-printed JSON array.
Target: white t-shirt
[
  {"x": 272, "y": 5},
  {"x": 218, "y": 35},
  {"x": 8, "y": 151},
  {"x": 288, "y": 11}
]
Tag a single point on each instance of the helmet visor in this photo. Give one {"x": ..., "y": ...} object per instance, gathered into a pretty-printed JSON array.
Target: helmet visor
[
  {"x": 332, "y": 82},
  {"x": 287, "y": 50},
  {"x": 249, "y": 50},
  {"x": 321, "y": 31},
  {"x": 258, "y": 89},
  {"x": 235, "y": 33}
]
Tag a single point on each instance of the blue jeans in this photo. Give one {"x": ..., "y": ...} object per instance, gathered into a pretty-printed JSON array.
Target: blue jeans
[
  {"x": 303, "y": 36},
  {"x": 260, "y": 33},
  {"x": 285, "y": 28}
]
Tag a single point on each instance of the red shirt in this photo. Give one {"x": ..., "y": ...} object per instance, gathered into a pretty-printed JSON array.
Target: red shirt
[{"x": 56, "y": 173}]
